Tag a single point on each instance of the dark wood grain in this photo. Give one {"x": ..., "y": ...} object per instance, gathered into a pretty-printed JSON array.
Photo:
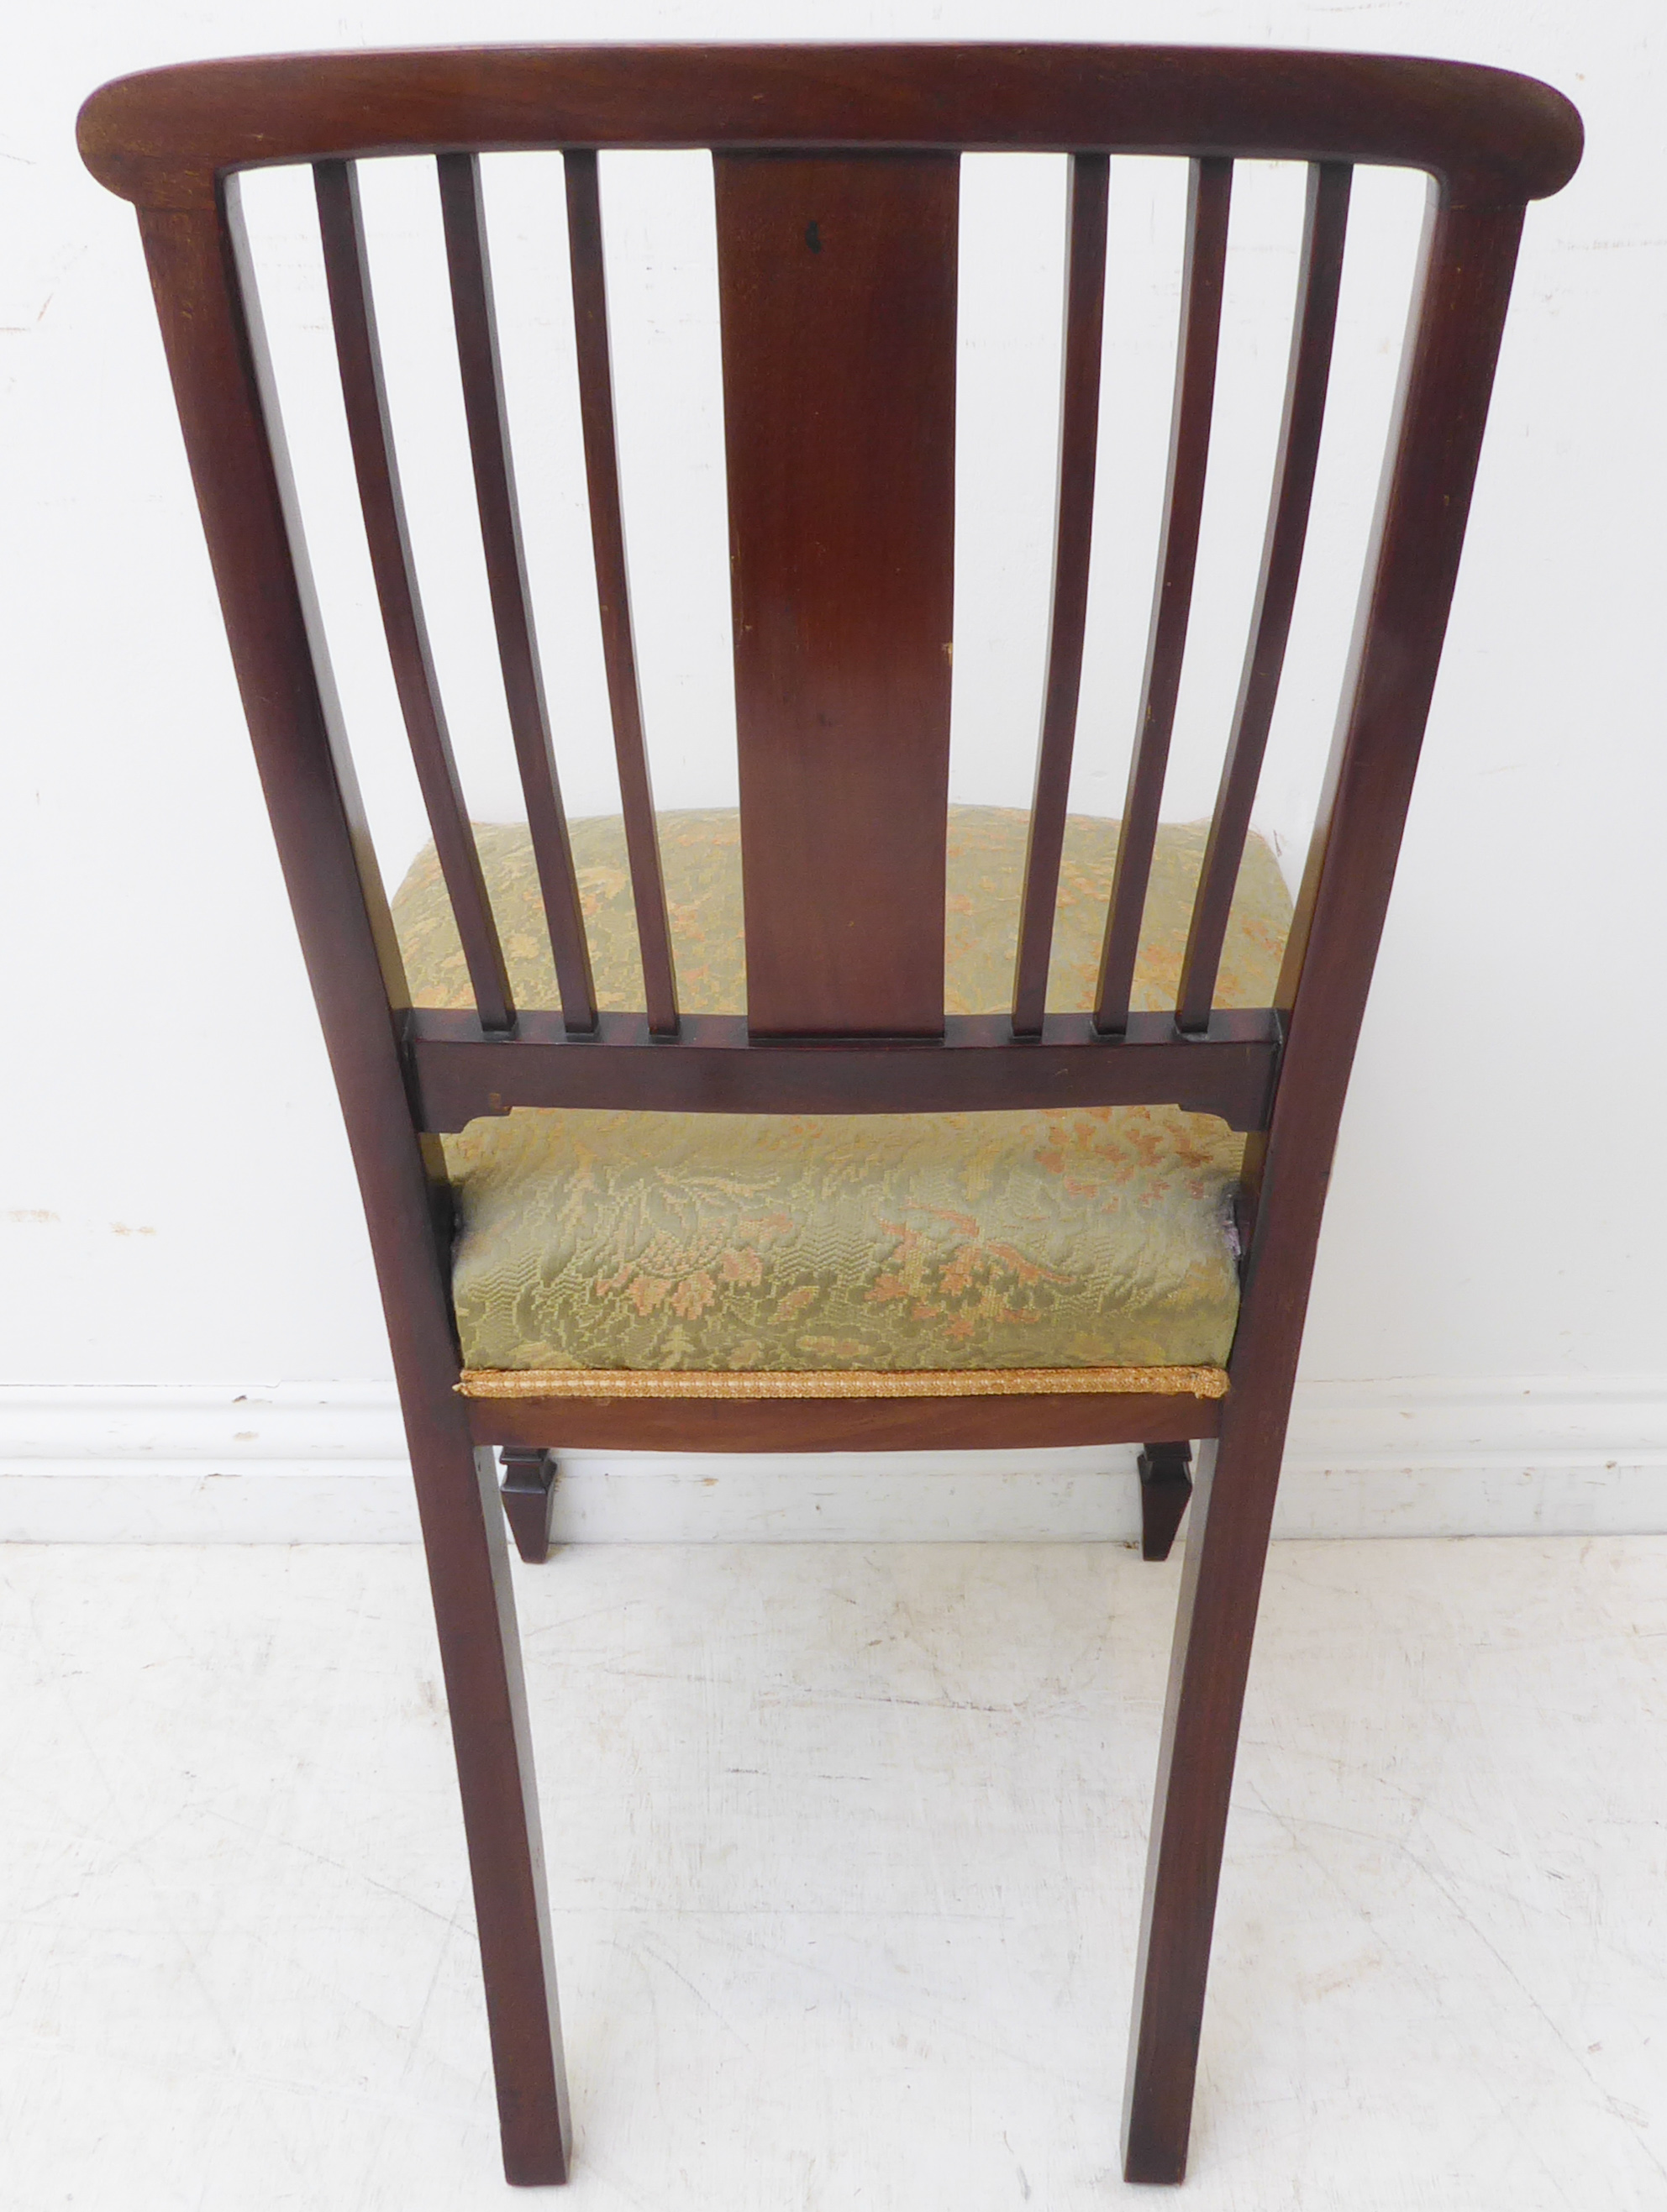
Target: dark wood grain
[
  {"x": 1493, "y": 139},
  {"x": 1470, "y": 256},
  {"x": 468, "y": 263},
  {"x": 717, "y": 1066},
  {"x": 836, "y": 286},
  {"x": 839, "y": 1424},
  {"x": 1324, "y": 227},
  {"x": 359, "y": 356},
  {"x": 223, "y": 388},
  {"x": 1209, "y": 192},
  {"x": 608, "y": 528},
  {"x": 1074, "y": 524}
]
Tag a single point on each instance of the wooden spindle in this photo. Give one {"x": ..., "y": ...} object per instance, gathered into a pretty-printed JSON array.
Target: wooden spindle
[
  {"x": 470, "y": 268},
  {"x": 1312, "y": 331},
  {"x": 590, "y": 324},
  {"x": 1208, "y": 196},
  {"x": 358, "y": 355},
  {"x": 1079, "y": 437}
]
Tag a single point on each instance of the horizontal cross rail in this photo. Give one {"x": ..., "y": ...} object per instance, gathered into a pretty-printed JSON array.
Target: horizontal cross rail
[
  {"x": 458, "y": 1072},
  {"x": 164, "y": 136},
  {"x": 685, "y": 1425}
]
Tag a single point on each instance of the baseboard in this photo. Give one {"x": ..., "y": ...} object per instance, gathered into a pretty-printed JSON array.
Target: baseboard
[{"x": 325, "y": 1463}]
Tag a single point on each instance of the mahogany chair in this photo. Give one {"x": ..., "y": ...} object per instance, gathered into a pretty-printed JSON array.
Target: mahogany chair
[{"x": 837, "y": 176}]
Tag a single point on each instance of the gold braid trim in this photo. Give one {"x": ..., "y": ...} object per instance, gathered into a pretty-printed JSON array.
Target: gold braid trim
[{"x": 846, "y": 1382}]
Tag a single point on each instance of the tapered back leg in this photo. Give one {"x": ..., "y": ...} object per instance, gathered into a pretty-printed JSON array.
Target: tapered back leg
[
  {"x": 1225, "y": 1551},
  {"x": 1469, "y": 257},
  {"x": 474, "y": 1605}
]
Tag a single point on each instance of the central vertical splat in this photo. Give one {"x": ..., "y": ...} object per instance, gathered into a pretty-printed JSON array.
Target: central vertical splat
[{"x": 837, "y": 278}]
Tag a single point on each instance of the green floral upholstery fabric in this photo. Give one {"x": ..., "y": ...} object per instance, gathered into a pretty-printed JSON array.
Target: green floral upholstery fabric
[{"x": 1098, "y": 1238}]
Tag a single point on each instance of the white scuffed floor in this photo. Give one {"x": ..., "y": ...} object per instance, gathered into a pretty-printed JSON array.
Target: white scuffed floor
[{"x": 845, "y": 1848}]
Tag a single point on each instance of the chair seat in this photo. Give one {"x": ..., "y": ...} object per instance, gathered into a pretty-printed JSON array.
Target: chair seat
[{"x": 887, "y": 1242}]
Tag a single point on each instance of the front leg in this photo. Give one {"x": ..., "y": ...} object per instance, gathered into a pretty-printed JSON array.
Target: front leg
[
  {"x": 1165, "y": 1486},
  {"x": 529, "y": 1499}
]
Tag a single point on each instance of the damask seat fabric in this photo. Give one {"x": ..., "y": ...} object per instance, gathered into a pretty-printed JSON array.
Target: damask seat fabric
[{"x": 1074, "y": 1237}]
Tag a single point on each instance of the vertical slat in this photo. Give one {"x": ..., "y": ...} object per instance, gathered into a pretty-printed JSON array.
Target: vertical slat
[
  {"x": 1209, "y": 195},
  {"x": 470, "y": 268},
  {"x": 590, "y": 323},
  {"x": 1313, "y": 329},
  {"x": 836, "y": 279},
  {"x": 1079, "y": 437},
  {"x": 358, "y": 355}
]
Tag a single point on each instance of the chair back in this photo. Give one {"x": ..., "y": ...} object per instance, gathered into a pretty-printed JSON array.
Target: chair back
[{"x": 837, "y": 175}]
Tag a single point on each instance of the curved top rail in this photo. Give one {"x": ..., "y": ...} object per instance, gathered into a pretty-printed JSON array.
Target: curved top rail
[{"x": 164, "y": 138}]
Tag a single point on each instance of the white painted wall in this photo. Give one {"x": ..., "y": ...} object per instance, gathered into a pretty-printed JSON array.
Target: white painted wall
[{"x": 178, "y": 1207}]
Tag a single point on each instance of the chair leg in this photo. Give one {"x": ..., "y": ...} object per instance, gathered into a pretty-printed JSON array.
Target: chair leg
[
  {"x": 480, "y": 1653},
  {"x": 1165, "y": 1486},
  {"x": 1220, "y": 1587},
  {"x": 529, "y": 1499}
]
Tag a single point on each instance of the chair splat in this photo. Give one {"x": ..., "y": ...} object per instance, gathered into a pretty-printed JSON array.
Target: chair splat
[{"x": 836, "y": 292}]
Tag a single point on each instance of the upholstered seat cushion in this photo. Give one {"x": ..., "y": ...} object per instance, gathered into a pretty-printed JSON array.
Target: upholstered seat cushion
[{"x": 697, "y": 1241}]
